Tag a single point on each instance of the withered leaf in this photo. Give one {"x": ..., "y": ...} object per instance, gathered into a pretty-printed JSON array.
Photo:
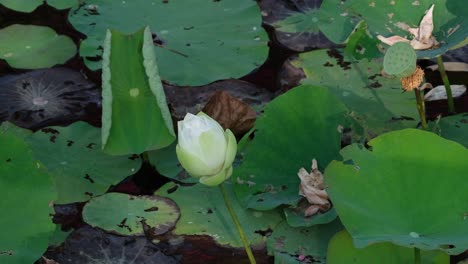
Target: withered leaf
[{"x": 230, "y": 112}]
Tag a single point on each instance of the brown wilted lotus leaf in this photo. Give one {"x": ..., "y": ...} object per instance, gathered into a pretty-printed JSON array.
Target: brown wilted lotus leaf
[
  {"x": 312, "y": 189},
  {"x": 423, "y": 38},
  {"x": 230, "y": 112}
]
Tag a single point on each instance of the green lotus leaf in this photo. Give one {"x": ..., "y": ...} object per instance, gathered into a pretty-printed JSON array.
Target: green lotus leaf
[
  {"x": 135, "y": 115},
  {"x": 408, "y": 189},
  {"x": 27, "y": 195},
  {"x": 388, "y": 18},
  {"x": 341, "y": 250},
  {"x": 34, "y": 47},
  {"x": 125, "y": 214},
  {"x": 301, "y": 245},
  {"x": 295, "y": 128},
  {"x": 195, "y": 46},
  {"x": 453, "y": 127},
  {"x": 203, "y": 212},
  {"x": 28, "y": 6},
  {"x": 295, "y": 24},
  {"x": 25, "y": 6},
  {"x": 79, "y": 167},
  {"x": 376, "y": 102}
]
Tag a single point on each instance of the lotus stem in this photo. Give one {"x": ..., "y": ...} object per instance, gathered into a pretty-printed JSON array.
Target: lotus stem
[
  {"x": 238, "y": 226},
  {"x": 445, "y": 79},
  {"x": 417, "y": 256},
  {"x": 421, "y": 108}
]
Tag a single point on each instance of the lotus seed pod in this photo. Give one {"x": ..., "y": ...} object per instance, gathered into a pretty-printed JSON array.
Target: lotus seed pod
[{"x": 400, "y": 60}]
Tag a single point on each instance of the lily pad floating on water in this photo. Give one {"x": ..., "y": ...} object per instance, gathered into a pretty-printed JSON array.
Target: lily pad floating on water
[
  {"x": 28, "y": 6},
  {"x": 203, "y": 212},
  {"x": 341, "y": 250},
  {"x": 403, "y": 191},
  {"x": 389, "y": 18},
  {"x": 195, "y": 46},
  {"x": 296, "y": 23},
  {"x": 453, "y": 127},
  {"x": 74, "y": 158},
  {"x": 125, "y": 214},
  {"x": 34, "y": 47},
  {"x": 376, "y": 102},
  {"x": 27, "y": 193},
  {"x": 43, "y": 97}
]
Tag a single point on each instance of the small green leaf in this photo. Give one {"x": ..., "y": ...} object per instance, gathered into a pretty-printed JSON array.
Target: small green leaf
[
  {"x": 341, "y": 250},
  {"x": 135, "y": 115},
  {"x": 409, "y": 189},
  {"x": 34, "y": 47},
  {"x": 25, "y": 6},
  {"x": 125, "y": 214}
]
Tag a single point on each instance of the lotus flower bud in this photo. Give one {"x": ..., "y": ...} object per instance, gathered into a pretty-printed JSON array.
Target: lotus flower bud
[{"x": 204, "y": 149}]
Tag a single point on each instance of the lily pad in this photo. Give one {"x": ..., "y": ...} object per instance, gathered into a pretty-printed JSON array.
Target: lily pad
[
  {"x": 300, "y": 125},
  {"x": 342, "y": 250},
  {"x": 203, "y": 212},
  {"x": 295, "y": 216},
  {"x": 27, "y": 193},
  {"x": 192, "y": 43},
  {"x": 389, "y": 18},
  {"x": 80, "y": 169},
  {"x": 376, "y": 102},
  {"x": 301, "y": 245},
  {"x": 46, "y": 97},
  {"x": 398, "y": 191},
  {"x": 453, "y": 127},
  {"x": 95, "y": 246},
  {"x": 295, "y": 23},
  {"x": 34, "y": 47},
  {"x": 135, "y": 115},
  {"x": 28, "y": 6},
  {"x": 125, "y": 214}
]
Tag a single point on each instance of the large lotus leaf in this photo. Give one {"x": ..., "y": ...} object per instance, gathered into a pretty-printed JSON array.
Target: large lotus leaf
[
  {"x": 409, "y": 189},
  {"x": 295, "y": 23},
  {"x": 203, "y": 212},
  {"x": 28, "y": 6},
  {"x": 341, "y": 250},
  {"x": 79, "y": 167},
  {"x": 125, "y": 214},
  {"x": 388, "y": 18},
  {"x": 453, "y": 127},
  {"x": 198, "y": 41},
  {"x": 301, "y": 245},
  {"x": 34, "y": 47},
  {"x": 377, "y": 103},
  {"x": 46, "y": 97},
  {"x": 295, "y": 128},
  {"x": 27, "y": 195},
  {"x": 135, "y": 115}
]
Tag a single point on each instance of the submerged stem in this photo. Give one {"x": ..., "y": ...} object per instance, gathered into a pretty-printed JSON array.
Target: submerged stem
[
  {"x": 238, "y": 225},
  {"x": 417, "y": 256},
  {"x": 421, "y": 108},
  {"x": 445, "y": 79}
]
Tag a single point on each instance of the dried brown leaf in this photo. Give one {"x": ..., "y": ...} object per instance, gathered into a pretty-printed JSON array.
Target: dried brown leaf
[
  {"x": 312, "y": 188},
  {"x": 230, "y": 112}
]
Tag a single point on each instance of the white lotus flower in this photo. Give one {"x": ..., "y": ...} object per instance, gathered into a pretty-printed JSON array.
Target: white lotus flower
[{"x": 204, "y": 149}]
